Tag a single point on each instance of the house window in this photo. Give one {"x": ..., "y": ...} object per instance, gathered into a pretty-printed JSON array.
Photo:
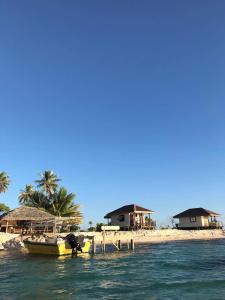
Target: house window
[
  {"x": 192, "y": 219},
  {"x": 121, "y": 218}
]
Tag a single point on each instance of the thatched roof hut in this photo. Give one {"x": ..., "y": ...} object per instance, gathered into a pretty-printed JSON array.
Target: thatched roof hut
[
  {"x": 26, "y": 213},
  {"x": 33, "y": 219}
]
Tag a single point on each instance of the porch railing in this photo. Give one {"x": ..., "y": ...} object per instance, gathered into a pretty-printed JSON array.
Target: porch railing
[
  {"x": 146, "y": 225},
  {"x": 215, "y": 224}
]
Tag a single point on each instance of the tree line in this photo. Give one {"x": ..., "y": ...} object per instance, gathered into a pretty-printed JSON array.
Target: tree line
[{"x": 45, "y": 194}]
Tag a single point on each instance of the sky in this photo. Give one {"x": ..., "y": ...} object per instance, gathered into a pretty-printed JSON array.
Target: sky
[{"x": 123, "y": 100}]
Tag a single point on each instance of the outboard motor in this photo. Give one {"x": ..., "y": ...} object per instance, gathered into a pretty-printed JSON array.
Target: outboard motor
[
  {"x": 80, "y": 240},
  {"x": 74, "y": 244}
]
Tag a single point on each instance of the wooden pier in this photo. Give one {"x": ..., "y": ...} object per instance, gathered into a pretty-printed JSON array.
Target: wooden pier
[
  {"x": 118, "y": 244},
  {"x": 109, "y": 238}
]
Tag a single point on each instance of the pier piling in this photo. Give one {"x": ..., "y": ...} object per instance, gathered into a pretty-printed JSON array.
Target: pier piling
[
  {"x": 132, "y": 244},
  {"x": 93, "y": 246},
  {"x": 119, "y": 244},
  {"x": 100, "y": 241},
  {"x": 103, "y": 242}
]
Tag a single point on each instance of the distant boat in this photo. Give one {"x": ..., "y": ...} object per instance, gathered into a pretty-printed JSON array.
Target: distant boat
[{"x": 58, "y": 246}]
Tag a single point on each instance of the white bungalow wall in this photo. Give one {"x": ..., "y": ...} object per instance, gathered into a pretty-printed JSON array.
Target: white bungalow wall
[
  {"x": 116, "y": 222},
  {"x": 200, "y": 222},
  {"x": 206, "y": 221}
]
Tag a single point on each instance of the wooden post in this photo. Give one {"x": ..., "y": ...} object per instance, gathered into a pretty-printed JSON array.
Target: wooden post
[
  {"x": 132, "y": 244},
  {"x": 7, "y": 224},
  {"x": 93, "y": 245},
  {"x": 54, "y": 227},
  {"x": 128, "y": 245},
  {"x": 103, "y": 246},
  {"x": 119, "y": 244}
]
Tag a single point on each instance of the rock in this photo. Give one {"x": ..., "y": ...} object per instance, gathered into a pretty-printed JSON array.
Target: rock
[
  {"x": 21, "y": 244},
  {"x": 1, "y": 247},
  {"x": 13, "y": 244}
]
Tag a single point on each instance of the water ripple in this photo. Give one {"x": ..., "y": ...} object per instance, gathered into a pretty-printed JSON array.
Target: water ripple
[{"x": 179, "y": 270}]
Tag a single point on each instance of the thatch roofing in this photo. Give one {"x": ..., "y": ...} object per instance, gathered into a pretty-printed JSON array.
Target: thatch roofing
[
  {"x": 128, "y": 209},
  {"x": 195, "y": 212},
  {"x": 26, "y": 213}
]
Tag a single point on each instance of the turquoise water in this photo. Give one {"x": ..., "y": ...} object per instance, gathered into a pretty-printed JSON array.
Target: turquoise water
[{"x": 178, "y": 270}]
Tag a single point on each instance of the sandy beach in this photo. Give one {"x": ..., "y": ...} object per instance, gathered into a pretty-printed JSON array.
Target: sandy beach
[
  {"x": 165, "y": 235},
  {"x": 158, "y": 236},
  {"x": 142, "y": 236}
]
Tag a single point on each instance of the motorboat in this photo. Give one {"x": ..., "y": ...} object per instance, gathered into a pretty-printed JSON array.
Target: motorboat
[{"x": 69, "y": 245}]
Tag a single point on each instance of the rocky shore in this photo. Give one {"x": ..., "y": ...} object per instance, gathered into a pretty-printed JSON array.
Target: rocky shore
[{"x": 10, "y": 241}]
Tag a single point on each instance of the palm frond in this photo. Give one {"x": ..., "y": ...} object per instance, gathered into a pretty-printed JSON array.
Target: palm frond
[{"x": 4, "y": 182}]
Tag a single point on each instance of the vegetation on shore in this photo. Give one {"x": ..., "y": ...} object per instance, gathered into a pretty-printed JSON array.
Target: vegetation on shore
[
  {"x": 4, "y": 208},
  {"x": 4, "y": 185},
  {"x": 97, "y": 227},
  {"x": 49, "y": 196},
  {"x": 4, "y": 182}
]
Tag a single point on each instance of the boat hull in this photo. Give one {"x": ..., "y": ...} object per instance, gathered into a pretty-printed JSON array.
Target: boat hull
[{"x": 54, "y": 249}]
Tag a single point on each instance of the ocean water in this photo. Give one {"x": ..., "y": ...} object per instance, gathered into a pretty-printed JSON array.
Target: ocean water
[{"x": 177, "y": 270}]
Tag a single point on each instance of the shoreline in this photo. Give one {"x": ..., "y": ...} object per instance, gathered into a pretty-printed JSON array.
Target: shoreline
[
  {"x": 158, "y": 236},
  {"x": 162, "y": 241}
]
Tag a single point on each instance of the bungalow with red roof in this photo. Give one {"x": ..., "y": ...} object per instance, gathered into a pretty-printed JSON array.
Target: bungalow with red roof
[
  {"x": 198, "y": 218},
  {"x": 131, "y": 217}
]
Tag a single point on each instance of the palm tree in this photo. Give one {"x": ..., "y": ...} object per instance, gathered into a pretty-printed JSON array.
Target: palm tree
[
  {"x": 63, "y": 205},
  {"x": 4, "y": 208},
  {"x": 39, "y": 200},
  {"x": 26, "y": 194},
  {"x": 4, "y": 182},
  {"x": 48, "y": 182}
]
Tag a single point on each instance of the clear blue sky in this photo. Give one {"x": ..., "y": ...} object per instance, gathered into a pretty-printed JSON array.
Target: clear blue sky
[{"x": 124, "y": 100}]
